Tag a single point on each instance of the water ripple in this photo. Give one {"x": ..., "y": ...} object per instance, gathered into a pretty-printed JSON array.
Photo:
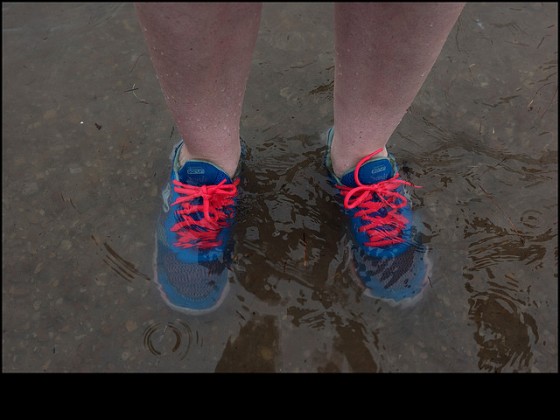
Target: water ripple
[{"x": 171, "y": 338}]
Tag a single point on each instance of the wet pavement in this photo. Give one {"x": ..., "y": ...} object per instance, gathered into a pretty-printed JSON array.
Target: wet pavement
[{"x": 85, "y": 143}]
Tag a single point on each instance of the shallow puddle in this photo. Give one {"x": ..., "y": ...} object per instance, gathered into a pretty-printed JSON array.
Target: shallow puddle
[{"x": 86, "y": 140}]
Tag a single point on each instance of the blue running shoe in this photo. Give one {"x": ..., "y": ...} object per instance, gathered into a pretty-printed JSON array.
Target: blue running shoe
[
  {"x": 193, "y": 247},
  {"x": 390, "y": 262}
]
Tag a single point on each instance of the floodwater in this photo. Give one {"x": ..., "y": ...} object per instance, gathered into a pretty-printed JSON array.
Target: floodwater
[{"x": 85, "y": 143}]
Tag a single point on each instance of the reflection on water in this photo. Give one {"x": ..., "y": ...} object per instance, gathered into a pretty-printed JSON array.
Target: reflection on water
[
  {"x": 504, "y": 333},
  {"x": 501, "y": 303},
  {"x": 283, "y": 199},
  {"x": 294, "y": 251},
  {"x": 254, "y": 349}
]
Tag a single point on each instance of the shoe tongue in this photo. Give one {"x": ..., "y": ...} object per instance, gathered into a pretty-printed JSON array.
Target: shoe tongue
[
  {"x": 371, "y": 172},
  {"x": 198, "y": 173}
]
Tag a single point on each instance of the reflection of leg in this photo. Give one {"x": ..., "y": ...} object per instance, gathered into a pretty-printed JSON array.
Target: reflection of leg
[
  {"x": 255, "y": 349},
  {"x": 384, "y": 52},
  {"x": 202, "y": 56},
  {"x": 351, "y": 342},
  {"x": 505, "y": 330}
]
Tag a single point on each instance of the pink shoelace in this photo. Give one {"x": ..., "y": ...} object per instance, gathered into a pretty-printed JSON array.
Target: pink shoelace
[
  {"x": 382, "y": 230},
  {"x": 202, "y": 232}
]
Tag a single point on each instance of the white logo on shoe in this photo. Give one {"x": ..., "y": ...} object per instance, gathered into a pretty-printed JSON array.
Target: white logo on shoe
[
  {"x": 166, "y": 194},
  {"x": 195, "y": 171}
]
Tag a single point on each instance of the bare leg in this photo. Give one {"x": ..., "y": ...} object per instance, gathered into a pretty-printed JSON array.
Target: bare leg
[
  {"x": 202, "y": 57},
  {"x": 384, "y": 52}
]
